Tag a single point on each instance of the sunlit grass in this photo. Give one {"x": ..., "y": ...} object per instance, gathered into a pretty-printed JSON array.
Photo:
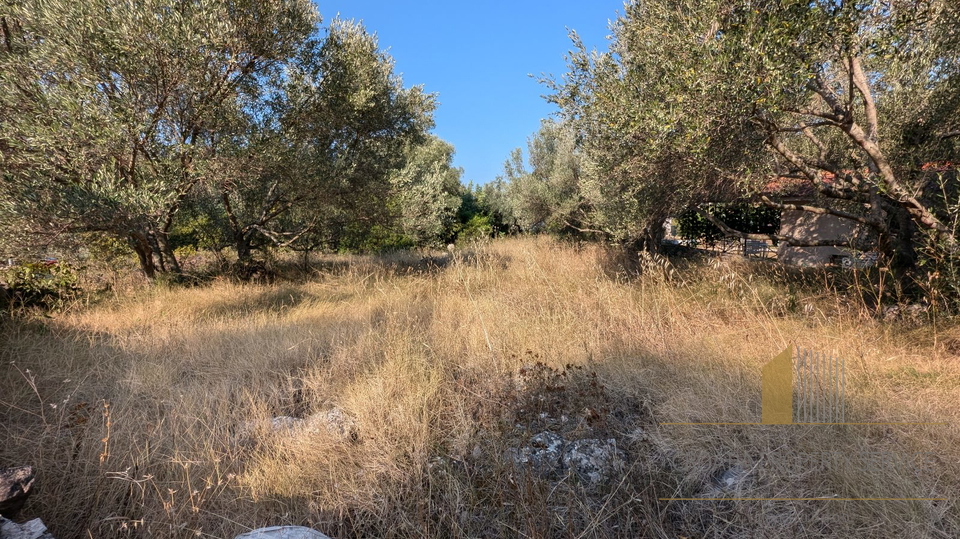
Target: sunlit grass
[{"x": 137, "y": 412}]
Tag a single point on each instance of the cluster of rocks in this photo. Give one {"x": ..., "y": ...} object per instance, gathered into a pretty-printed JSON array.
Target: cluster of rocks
[
  {"x": 593, "y": 461},
  {"x": 16, "y": 484}
]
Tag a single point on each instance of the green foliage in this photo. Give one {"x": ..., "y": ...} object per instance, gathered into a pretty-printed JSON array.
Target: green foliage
[
  {"x": 109, "y": 112},
  {"x": 40, "y": 284},
  {"x": 197, "y": 231},
  {"x": 477, "y": 228},
  {"x": 940, "y": 279},
  {"x": 657, "y": 131},
  {"x": 172, "y": 125},
  {"x": 707, "y": 100},
  {"x": 750, "y": 218},
  {"x": 427, "y": 192},
  {"x": 484, "y": 211},
  {"x": 376, "y": 239},
  {"x": 336, "y": 133},
  {"x": 546, "y": 198}
]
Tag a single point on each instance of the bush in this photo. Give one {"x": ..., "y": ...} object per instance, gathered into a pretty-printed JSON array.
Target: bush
[
  {"x": 377, "y": 239},
  {"x": 40, "y": 284},
  {"x": 478, "y": 227}
]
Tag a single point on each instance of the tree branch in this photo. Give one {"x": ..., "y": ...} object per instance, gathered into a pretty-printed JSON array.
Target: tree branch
[
  {"x": 584, "y": 230},
  {"x": 870, "y": 107},
  {"x": 869, "y": 221},
  {"x": 7, "y": 36}
]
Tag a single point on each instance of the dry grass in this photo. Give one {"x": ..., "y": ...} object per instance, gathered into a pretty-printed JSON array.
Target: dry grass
[{"x": 137, "y": 412}]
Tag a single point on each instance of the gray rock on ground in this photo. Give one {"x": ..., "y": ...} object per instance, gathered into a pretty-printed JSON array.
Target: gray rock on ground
[
  {"x": 283, "y": 532},
  {"x": 543, "y": 455},
  {"x": 726, "y": 481},
  {"x": 33, "y": 529},
  {"x": 593, "y": 461},
  {"x": 333, "y": 421},
  {"x": 15, "y": 487}
]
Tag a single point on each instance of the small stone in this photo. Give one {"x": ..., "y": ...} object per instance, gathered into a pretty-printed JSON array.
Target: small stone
[
  {"x": 334, "y": 421},
  {"x": 731, "y": 478},
  {"x": 724, "y": 481},
  {"x": 283, "y": 532},
  {"x": 33, "y": 529}
]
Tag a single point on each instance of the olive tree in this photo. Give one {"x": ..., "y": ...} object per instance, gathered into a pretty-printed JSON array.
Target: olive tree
[
  {"x": 322, "y": 153},
  {"x": 547, "y": 196},
  {"x": 655, "y": 136},
  {"x": 110, "y": 111},
  {"x": 859, "y": 99},
  {"x": 427, "y": 190},
  {"x": 704, "y": 100}
]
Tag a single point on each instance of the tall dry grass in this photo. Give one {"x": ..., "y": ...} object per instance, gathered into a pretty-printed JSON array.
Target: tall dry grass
[{"x": 148, "y": 416}]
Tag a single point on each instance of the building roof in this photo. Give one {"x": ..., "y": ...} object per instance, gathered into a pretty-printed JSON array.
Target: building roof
[
  {"x": 802, "y": 187},
  {"x": 794, "y": 187}
]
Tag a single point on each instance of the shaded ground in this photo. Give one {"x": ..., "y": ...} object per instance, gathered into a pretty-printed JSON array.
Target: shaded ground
[{"x": 137, "y": 413}]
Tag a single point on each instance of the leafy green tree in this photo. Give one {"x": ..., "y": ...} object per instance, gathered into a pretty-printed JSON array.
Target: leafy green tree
[
  {"x": 547, "y": 197},
  {"x": 655, "y": 135},
  {"x": 427, "y": 192},
  {"x": 855, "y": 97},
  {"x": 109, "y": 111},
  {"x": 494, "y": 199},
  {"x": 348, "y": 122}
]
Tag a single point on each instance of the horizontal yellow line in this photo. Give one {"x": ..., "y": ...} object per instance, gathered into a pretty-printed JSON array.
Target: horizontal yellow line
[
  {"x": 803, "y": 499},
  {"x": 777, "y": 424}
]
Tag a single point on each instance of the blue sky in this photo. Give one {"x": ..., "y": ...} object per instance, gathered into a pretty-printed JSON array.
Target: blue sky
[{"x": 477, "y": 56}]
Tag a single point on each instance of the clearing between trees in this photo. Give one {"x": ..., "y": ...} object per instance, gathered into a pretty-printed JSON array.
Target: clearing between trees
[{"x": 401, "y": 396}]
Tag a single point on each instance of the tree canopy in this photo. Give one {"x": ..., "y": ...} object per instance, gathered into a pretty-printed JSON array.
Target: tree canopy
[
  {"x": 708, "y": 100},
  {"x": 242, "y": 117}
]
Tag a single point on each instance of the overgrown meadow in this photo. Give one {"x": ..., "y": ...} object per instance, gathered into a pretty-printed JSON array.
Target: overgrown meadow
[{"x": 150, "y": 413}]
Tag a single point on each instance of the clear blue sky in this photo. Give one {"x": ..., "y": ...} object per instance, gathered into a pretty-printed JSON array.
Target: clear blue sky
[{"x": 477, "y": 56}]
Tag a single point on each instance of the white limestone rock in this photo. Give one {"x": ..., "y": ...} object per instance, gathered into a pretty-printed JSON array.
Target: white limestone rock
[
  {"x": 283, "y": 532},
  {"x": 33, "y": 529}
]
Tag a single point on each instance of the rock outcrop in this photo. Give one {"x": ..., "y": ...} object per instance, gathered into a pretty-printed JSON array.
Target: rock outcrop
[
  {"x": 33, "y": 529},
  {"x": 592, "y": 461},
  {"x": 15, "y": 487},
  {"x": 283, "y": 532}
]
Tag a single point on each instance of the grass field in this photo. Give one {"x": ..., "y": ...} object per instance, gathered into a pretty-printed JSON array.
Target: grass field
[{"x": 149, "y": 415}]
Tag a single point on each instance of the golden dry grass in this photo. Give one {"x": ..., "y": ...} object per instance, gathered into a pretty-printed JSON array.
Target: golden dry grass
[{"x": 137, "y": 412}]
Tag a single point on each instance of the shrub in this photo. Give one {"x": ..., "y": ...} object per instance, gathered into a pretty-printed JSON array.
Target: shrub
[
  {"x": 40, "y": 284},
  {"x": 478, "y": 227}
]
